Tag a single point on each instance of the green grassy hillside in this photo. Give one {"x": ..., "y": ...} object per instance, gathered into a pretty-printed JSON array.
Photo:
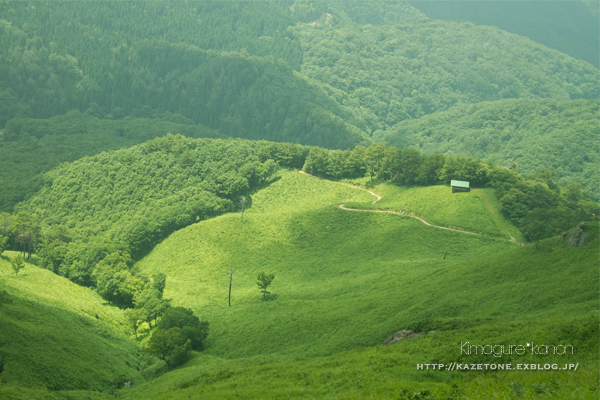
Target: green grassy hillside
[
  {"x": 81, "y": 82},
  {"x": 439, "y": 206},
  {"x": 345, "y": 281},
  {"x": 309, "y": 250},
  {"x": 390, "y": 372},
  {"x": 59, "y": 336}
]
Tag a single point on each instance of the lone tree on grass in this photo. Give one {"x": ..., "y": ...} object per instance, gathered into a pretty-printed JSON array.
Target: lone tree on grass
[
  {"x": 264, "y": 281},
  {"x": 18, "y": 264}
]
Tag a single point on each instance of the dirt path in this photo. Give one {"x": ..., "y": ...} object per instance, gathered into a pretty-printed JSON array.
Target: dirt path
[
  {"x": 487, "y": 203},
  {"x": 408, "y": 215}
]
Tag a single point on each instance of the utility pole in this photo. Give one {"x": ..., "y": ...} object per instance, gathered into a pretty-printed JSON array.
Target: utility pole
[
  {"x": 230, "y": 280},
  {"x": 243, "y": 201}
]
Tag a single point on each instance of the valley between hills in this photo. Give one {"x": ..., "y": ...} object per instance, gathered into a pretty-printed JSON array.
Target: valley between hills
[{"x": 299, "y": 199}]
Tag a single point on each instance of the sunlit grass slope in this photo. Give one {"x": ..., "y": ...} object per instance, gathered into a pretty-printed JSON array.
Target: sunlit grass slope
[
  {"x": 390, "y": 372},
  {"x": 342, "y": 279},
  {"x": 439, "y": 206},
  {"x": 345, "y": 281},
  {"x": 55, "y": 335}
]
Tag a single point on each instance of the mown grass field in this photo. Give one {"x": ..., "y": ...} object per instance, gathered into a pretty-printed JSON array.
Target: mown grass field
[
  {"x": 59, "y": 340},
  {"x": 345, "y": 281}
]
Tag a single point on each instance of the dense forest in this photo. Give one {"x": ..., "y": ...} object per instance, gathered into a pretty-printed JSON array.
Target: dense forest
[
  {"x": 403, "y": 70},
  {"x": 240, "y": 96},
  {"x": 407, "y": 71},
  {"x": 331, "y": 74},
  {"x": 528, "y": 135},
  {"x": 32, "y": 147},
  {"x": 560, "y": 25}
]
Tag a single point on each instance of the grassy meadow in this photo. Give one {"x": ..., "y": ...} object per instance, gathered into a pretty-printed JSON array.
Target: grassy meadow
[
  {"x": 58, "y": 339},
  {"x": 387, "y": 372},
  {"x": 345, "y": 281},
  {"x": 439, "y": 206}
]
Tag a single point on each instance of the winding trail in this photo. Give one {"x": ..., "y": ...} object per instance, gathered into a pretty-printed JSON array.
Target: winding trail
[{"x": 487, "y": 203}]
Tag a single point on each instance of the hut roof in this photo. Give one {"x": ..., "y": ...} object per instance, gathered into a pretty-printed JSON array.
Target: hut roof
[{"x": 461, "y": 184}]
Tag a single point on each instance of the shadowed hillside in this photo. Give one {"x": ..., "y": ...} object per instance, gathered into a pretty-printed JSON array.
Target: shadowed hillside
[{"x": 59, "y": 336}]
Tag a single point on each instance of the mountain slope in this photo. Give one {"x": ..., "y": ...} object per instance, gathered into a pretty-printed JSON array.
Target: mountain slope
[
  {"x": 348, "y": 280},
  {"x": 399, "y": 72},
  {"x": 242, "y": 79},
  {"x": 239, "y": 94},
  {"x": 57, "y": 335},
  {"x": 567, "y": 26},
  {"x": 330, "y": 265},
  {"x": 535, "y": 134},
  {"x": 131, "y": 199}
]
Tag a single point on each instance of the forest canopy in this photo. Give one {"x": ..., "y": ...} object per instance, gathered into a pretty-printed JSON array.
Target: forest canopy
[
  {"x": 233, "y": 66},
  {"x": 528, "y": 134}
]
